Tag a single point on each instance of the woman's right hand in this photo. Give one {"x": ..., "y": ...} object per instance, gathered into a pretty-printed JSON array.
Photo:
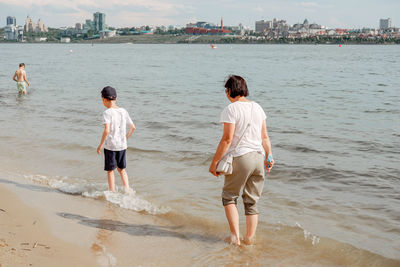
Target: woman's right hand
[{"x": 213, "y": 169}]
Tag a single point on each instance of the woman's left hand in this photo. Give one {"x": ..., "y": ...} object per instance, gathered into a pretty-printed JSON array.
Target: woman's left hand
[
  {"x": 213, "y": 169},
  {"x": 269, "y": 164}
]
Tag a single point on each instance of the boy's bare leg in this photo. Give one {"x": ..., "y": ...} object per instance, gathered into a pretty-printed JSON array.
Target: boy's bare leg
[
  {"x": 124, "y": 178},
  {"x": 111, "y": 180},
  {"x": 232, "y": 215},
  {"x": 251, "y": 227}
]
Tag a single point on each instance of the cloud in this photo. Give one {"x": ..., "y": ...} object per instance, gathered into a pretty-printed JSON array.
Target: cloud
[
  {"x": 50, "y": 8},
  {"x": 259, "y": 9},
  {"x": 309, "y": 4}
]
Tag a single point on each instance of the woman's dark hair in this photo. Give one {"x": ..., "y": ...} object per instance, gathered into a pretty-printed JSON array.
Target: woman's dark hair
[{"x": 236, "y": 86}]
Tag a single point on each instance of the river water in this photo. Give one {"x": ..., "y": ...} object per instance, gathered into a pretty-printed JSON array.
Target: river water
[{"x": 333, "y": 197}]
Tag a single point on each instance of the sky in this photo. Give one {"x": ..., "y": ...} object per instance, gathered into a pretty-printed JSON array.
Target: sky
[{"x": 128, "y": 13}]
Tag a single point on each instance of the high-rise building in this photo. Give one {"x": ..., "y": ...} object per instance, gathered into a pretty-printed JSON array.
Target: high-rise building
[
  {"x": 263, "y": 25},
  {"x": 385, "y": 23},
  {"x": 40, "y": 27},
  {"x": 99, "y": 21},
  {"x": 14, "y": 33},
  {"x": 29, "y": 25},
  {"x": 88, "y": 25},
  {"x": 78, "y": 26},
  {"x": 11, "y": 21}
]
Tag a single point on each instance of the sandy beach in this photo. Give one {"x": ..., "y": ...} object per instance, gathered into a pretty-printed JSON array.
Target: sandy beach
[
  {"x": 25, "y": 239},
  {"x": 41, "y": 226}
]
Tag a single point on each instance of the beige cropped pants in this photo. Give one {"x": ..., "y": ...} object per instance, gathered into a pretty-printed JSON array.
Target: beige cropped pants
[{"x": 248, "y": 176}]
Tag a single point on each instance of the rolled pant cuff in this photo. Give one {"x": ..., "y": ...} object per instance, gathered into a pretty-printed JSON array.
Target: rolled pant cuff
[
  {"x": 226, "y": 202},
  {"x": 250, "y": 209}
]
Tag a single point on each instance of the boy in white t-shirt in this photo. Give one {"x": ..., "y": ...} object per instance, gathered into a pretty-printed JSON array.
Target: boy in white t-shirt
[{"x": 115, "y": 138}]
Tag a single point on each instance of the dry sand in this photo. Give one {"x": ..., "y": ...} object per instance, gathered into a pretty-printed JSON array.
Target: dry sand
[{"x": 26, "y": 241}]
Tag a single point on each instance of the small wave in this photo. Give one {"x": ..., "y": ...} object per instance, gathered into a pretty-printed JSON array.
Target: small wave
[
  {"x": 132, "y": 202},
  {"x": 308, "y": 236},
  {"x": 289, "y": 131},
  {"x": 382, "y": 84},
  {"x": 141, "y": 150},
  {"x": 71, "y": 146},
  {"x": 188, "y": 139},
  {"x": 196, "y": 156},
  {"x": 298, "y": 148},
  {"x": 156, "y": 125},
  {"x": 380, "y": 110},
  {"x": 98, "y": 191}
]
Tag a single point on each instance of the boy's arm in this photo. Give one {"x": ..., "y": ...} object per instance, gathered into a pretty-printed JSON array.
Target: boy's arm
[
  {"x": 15, "y": 77},
  {"x": 103, "y": 138},
  {"x": 131, "y": 129},
  {"x": 26, "y": 79}
]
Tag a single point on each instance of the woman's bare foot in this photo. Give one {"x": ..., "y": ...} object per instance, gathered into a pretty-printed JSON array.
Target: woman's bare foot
[
  {"x": 235, "y": 240},
  {"x": 249, "y": 240}
]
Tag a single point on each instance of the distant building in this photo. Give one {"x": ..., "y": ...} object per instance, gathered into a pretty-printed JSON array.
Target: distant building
[
  {"x": 385, "y": 24},
  {"x": 88, "y": 25},
  {"x": 78, "y": 26},
  {"x": 65, "y": 40},
  {"x": 30, "y": 26},
  {"x": 99, "y": 21},
  {"x": 11, "y": 21},
  {"x": 107, "y": 34},
  {"x": 202, "y": 27},
  {"x": 40, "y": 39},
  {"x": 12, "y": 31},
  {"x": 263, "y": 25},
  {"x": 40, "y": 27}
]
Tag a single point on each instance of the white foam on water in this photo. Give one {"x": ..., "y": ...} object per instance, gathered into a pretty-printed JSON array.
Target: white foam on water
[
  {"x": 308, "y": 236},
  {"x": 124, "y": 200},
  {"x": 133, "y": 202}
]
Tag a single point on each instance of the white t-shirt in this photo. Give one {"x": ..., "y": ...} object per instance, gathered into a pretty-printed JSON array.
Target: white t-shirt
[
  {"x": 117, "y": 118},
  {"x": 239, "y": 113}
]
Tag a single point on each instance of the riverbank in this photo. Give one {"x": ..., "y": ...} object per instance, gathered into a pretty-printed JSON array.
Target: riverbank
[
  {"x": 225, "y": 39},
  {"x": 25, "y": 239}
]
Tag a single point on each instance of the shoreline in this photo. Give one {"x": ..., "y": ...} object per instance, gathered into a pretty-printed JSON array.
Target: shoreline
[
  {"x": 85, "y": 231},
  {"x": 93, "y": 232},
  {"x": 25, "y": 239},
  {"x": 212, "y": 39}
]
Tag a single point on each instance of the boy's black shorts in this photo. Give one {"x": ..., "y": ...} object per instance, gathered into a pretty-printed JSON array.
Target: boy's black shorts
[{"x": 114, "y": 159}]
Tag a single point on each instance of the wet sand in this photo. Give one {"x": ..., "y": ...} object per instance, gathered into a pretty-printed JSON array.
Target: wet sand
[
  {"x": 25, "y": 239},
  {"x": 85, "y": 231}
]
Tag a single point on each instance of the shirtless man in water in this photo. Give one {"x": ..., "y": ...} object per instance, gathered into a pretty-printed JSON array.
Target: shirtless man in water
[{"x": 20, "y": 78}]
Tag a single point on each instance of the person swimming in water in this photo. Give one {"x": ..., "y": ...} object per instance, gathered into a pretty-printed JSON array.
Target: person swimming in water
[{"x": 20, "y": 78}]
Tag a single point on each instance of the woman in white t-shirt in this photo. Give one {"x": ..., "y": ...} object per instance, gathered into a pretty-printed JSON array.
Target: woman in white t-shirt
[{"x": 243, "y": 119}]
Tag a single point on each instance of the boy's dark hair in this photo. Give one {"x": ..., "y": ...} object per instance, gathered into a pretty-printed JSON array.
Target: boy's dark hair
[
  {"x": 236, "y": 86},
  {"x": 109, "y": 93},
  {"x": 21, "y": 64}
]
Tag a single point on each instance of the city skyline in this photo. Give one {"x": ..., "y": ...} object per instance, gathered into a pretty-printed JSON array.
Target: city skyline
[{"x": 128, "y": 13}]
